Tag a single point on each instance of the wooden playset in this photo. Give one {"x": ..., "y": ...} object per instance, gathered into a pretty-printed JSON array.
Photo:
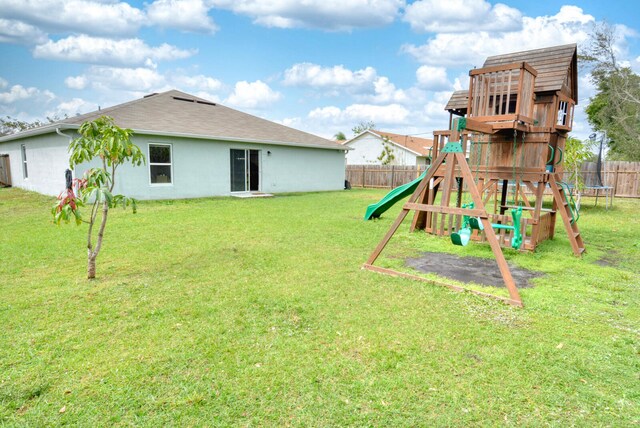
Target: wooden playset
[{"x": 504, "y": 147}]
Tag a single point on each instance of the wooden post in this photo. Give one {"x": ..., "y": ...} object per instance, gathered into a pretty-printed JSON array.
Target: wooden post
[
  {"x": 393, "y": 173},
  {"x": 363, "y": 175},
  {"x": 615, "y": 181}
]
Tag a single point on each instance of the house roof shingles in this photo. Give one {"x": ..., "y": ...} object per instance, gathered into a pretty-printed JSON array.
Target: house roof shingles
[
  {"x": 415, "y": 144},
  {"x": 177, "y": 113}
]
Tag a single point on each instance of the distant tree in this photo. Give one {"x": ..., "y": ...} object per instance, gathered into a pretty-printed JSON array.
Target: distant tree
[
  {"x": 576, "y": 152},
  {"x": 10, "y": 125},
  {"x": 339, "y": 136},
  {"x": 616, "y": 106},
  {"x": 100, "y": 139},
  {"x": 363, "y": 126}
]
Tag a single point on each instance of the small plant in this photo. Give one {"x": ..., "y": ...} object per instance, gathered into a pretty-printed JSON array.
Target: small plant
[
  {"x": 387, "y": 156},
  {"x": 112, "y": 145}
]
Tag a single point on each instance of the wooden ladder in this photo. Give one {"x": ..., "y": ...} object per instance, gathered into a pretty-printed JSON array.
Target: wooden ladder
[{"x": 562, "y": 205}]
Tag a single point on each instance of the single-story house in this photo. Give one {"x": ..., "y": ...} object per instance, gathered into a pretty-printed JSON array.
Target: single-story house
[
  {"x": 194, "y": 148},
  {"x": 375, "y": 147}
]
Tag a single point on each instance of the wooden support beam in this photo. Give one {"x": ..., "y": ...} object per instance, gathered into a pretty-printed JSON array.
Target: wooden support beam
[
  {"x": 476, "y": 126},
  {"x": 488, "y": 230},
  {"x": 391, "y": 272},
  {"x": 445, "y": 210}
]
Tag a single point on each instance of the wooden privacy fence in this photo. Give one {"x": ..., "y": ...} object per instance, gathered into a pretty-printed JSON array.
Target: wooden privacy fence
[
  {"x": 382, "y": 176},
  {"x": 623, "y": 177}
]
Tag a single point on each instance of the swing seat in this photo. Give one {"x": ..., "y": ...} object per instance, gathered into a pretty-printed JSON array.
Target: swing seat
[
  {"x": 475, "y": 223},
  {"x": 461, "y": 237}
]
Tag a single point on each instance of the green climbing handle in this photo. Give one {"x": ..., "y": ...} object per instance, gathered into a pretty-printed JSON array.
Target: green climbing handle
[
  {"x": 551, "y": 155},
  {"x": 559, "y": 157},
  {"x": 573, "y": 210}
]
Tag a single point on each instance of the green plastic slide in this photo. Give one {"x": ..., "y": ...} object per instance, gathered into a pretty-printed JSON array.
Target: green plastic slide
[{"x": 397, "y": 194}]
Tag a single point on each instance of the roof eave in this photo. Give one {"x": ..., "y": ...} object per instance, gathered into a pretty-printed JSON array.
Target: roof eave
[
  {"x": 236, "y": 139},
  {"x": 38, "y": 131}
]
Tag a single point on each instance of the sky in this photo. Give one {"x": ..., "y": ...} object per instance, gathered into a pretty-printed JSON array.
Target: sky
[{"x": 321, "y": 66}]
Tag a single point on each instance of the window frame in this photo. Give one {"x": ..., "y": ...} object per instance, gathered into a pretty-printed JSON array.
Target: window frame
[
  {"x": 23, "y": 156},
  {"x": 170, "y": 164}
]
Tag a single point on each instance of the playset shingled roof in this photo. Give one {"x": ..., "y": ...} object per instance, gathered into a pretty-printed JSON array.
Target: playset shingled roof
[{"x": 556, "y": 67}]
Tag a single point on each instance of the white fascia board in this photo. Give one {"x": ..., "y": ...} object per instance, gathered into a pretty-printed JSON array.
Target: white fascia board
[
  {"x": 62, "y": 126},
  {"x": 38, "y": 131},
  {"x": 236, "y": 139}
]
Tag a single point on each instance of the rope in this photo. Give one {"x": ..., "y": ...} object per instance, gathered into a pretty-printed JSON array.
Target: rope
[{"x": 515, "y": 153}]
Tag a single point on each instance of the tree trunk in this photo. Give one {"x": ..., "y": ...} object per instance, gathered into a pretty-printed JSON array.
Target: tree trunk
[{"x": 91, "y": 267}]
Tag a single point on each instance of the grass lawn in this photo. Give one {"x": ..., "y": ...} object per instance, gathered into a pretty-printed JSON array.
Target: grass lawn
[{"x": 228, "y": 312}]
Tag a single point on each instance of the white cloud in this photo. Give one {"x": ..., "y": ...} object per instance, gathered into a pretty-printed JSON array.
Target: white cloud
[
  {"x": 85, "y": 16},
  {"x": 115, "y": 78},
  {"x": 386, "y": 92},
  {"x": 3, "y": 83},
  {"x": 124, "y": 83},
  {"x": 18, "y": 93},
  {"x": 333, "y": 15},
  {"x": 17, "y": 32},
  {"x": 355, "y": 113},
  {"x": 72, "y": 107},
  {"x": 457, "y": 16},
  {"x": 432, "y": 78},
  {"x": 364, "y": 85},
  {"x": 314, "y": 75},
  {"x": 78, "y": 82},
  {"x": 445, "y": 49},
  {"x": 99, "y": 50},
  {"x": 252, "y": 95},
  {"x": 200, "y": 82},
  {"x": 186, "y": 15}
]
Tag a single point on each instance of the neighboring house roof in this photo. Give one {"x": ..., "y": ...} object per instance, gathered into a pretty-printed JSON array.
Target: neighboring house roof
[
  {"x": 556, "y": 67},
  {"x": 176, "y": 113},
  {"x": 417, "y": 146}
]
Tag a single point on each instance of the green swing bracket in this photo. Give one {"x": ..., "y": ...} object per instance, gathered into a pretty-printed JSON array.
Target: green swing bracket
[
  {"x": 452, "y": 147},
  {"x": 516, "y": 239},
  {"x": 462, "y": 236},
  {"x": 456, "y": 146}
]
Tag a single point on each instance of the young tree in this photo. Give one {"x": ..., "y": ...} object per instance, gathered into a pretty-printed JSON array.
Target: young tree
[
  {"x": 104, "y": 140},
  {"x": 363, "y": 126},
  {"x": 387, "y": 156},
  {"x": 616, "y": 106},
  {"x": 576, "y": 153},
  {"x": 339, "y": 136}
]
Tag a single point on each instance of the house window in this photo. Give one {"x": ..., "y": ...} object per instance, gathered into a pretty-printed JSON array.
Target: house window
[
  {"x": 25, "y": 172},
  {"x": 160, "y": 167}
]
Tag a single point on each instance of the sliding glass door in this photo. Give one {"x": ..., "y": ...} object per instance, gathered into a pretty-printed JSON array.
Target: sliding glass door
[{"x": 245, "y": 170}]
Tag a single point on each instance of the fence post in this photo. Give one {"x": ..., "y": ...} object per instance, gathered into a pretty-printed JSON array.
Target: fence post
[
  {"x": 363, "y": 175},
  {"x": 393, "y": 173},
  {"x": 615, "y": 181}
]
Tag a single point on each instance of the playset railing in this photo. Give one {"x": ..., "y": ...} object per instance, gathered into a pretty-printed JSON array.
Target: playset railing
[{"x": 502, "y": 93}]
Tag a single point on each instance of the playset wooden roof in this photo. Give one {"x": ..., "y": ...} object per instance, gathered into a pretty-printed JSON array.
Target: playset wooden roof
[{"x": 556, "y": 67}]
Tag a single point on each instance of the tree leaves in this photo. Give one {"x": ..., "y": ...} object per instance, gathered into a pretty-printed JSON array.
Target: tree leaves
[{"x": 104, "y": 139}]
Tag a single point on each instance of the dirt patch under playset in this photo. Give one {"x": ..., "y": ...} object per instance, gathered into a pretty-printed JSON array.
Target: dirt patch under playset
[{"x": 470, "y": 269}]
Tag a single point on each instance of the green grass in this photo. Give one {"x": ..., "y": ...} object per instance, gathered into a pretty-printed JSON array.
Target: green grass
[{"x": 228, "y": 312}]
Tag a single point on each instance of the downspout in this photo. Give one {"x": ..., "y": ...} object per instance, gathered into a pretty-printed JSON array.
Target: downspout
[{"x": 65, "y": 135}]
